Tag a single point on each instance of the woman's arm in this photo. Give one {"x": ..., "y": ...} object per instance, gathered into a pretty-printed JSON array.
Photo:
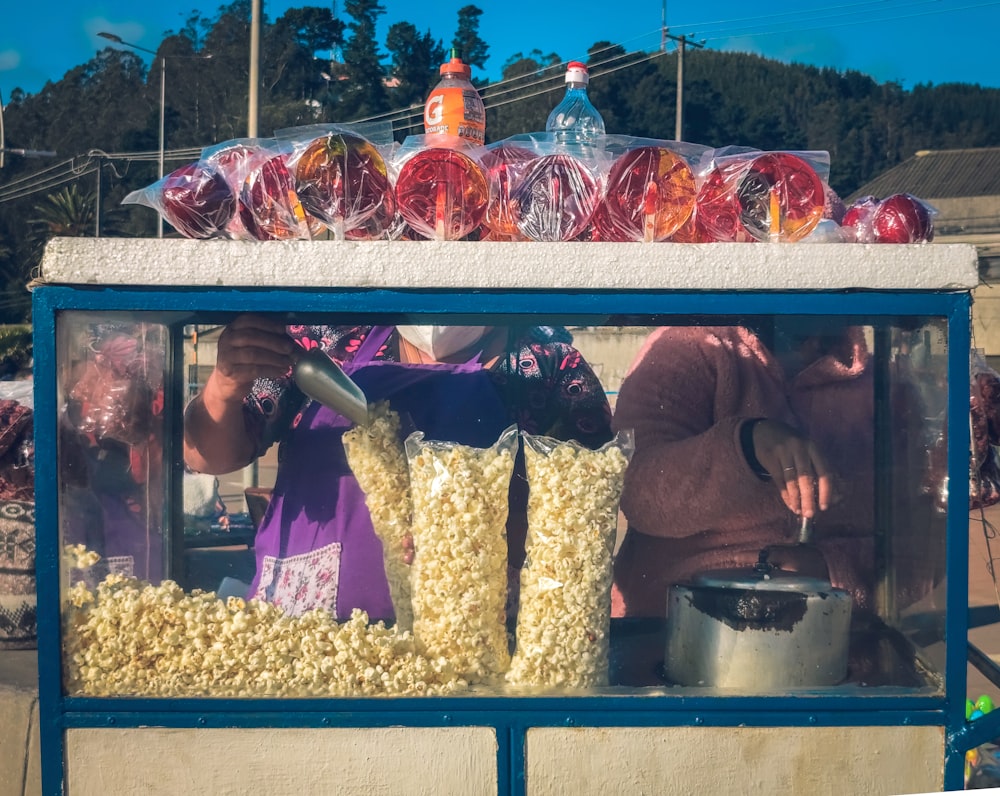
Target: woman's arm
[
  {"x": 686, "y": 398},
  {"x": 217, "y": 437}
]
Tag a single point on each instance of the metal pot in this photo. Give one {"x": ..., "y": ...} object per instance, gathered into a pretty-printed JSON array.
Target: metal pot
[{"x": 757, "y": 629}]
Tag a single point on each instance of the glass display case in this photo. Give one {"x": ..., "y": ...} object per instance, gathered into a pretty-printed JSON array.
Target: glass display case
[{"x": 516, "y": 572}]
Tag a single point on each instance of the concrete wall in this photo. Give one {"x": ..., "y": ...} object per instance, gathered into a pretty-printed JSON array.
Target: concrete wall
[
  {"x": 986, "y": 318},
  {"x": 20, "y": 768}
]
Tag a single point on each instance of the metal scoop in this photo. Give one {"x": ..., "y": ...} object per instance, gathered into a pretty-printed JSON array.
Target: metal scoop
[{"x": 322, "y": 379}]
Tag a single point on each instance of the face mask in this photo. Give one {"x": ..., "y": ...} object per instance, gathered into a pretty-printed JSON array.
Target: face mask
[{"x": 441, "y": 341}]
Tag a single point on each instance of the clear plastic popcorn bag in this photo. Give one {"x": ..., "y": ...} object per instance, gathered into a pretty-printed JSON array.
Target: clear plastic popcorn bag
[
  {"x": 459, "y": 573},
  {"x": 563, "y": 625},
  {"x": 378, "y": 460}
]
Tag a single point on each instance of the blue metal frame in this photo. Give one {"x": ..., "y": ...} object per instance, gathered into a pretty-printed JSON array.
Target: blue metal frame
[{"x": 511, "y": 717}]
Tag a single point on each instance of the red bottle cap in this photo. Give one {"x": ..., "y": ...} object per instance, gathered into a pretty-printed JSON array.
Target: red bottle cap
[{"x": 455, "y": 66}]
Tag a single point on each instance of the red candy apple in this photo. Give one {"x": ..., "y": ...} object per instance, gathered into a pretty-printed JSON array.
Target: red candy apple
[
  {"x": 902, "y": 218},
  {"x": 197, "y": 201}
]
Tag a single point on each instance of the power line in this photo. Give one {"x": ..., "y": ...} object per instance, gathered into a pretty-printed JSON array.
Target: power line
[{"x": 723, "y": 29}]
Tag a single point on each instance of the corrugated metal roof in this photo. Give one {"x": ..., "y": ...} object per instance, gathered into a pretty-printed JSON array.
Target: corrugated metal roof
[{"x": 940, "y": 174}]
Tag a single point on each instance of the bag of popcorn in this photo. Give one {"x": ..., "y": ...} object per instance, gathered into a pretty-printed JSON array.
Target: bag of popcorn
[
  {"x": 563, "y": 625},
  {"x": 459, "y": 574},
  {"x": 377, "y": 459}
]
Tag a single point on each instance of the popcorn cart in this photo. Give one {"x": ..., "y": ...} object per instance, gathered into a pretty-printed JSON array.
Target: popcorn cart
[{"x": 150, "y": 683}]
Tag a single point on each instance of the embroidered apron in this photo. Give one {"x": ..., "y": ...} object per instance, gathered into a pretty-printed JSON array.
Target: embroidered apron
[{"x": 315, "y": 547}]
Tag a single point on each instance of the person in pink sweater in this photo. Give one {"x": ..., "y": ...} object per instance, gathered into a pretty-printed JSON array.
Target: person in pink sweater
[{"x": 734, "y": 445}]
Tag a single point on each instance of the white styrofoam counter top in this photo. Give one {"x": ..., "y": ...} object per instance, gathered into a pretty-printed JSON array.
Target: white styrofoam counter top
[{"x": 485, "y": 265}]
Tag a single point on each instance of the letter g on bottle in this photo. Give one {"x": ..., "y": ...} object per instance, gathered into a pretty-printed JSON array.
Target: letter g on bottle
[{"x": 434, "y": 111}]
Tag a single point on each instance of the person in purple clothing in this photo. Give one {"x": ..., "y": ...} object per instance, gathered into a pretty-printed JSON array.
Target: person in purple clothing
[{"x": 315, "y": 546}]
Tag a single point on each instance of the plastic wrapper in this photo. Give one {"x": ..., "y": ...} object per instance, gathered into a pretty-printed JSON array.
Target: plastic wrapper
[
  {"x": 234, "y": 159},
  {"x": 828, "y": 231},
  {"x": 120, "y": 389},
  {"x": 269, "y": 204},
  {"x": 557, "y": 194},
  {"x": 650, "y": 191},
  {"x": 441, "y": 189},
  {"x": 385, "y": 224},
  {"x": 377, "y": 459},
  {"x": 340, "y": 176},
  {"x": 563, "y": 625},
  {"x": 195, "y": 200},
  {"x": 900, "y": 218},
  {"x": 459, "y": 574},
  {"x": 505, "y": 164},
  {"x": 762, "y": 196}
]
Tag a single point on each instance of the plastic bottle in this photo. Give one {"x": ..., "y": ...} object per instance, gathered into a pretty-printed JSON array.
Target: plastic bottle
[
  {"x": 454, "y": 107},
  {"x": 575, "y": 120}
]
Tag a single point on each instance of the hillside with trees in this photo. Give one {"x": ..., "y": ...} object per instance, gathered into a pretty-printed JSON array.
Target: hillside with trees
[{"x": 103, "y": 116}]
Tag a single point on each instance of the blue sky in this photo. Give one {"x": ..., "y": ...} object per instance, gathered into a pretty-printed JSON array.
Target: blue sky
[{"x": 907, "y": 41}]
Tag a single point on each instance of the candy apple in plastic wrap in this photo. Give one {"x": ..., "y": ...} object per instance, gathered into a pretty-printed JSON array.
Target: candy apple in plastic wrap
[
  {"x": 902, "y": 218},
  {"x": 556, "y": 198},
  {"x": 341, "y": 179},
  {"x": 650, "y": 194},
  {"x": 197, "y": 201},
  {"x": 858, "y": 219},
  {"x": 269, "y": 205},
  {"x": 505, "y": 165},
  {"x": 441, "y": 193}
]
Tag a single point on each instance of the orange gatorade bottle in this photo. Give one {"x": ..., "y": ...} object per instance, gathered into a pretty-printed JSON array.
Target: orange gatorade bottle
[{"x": 454, "y": 107}]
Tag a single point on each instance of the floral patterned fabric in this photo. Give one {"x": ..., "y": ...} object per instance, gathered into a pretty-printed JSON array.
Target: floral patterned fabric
[
  {"x": 301, "y": 583},
  {"x": 544, "y": 381},
  {"x": 18, "y": 619}
]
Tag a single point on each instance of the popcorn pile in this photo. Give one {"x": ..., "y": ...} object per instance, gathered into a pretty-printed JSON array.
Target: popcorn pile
[
  {"x": 129, "y": 637},
  {"x": 77, "y": 556},
  {"x": 132, "y": 638},
  {"x": 459, "y": 574},
  {"x": 563, "y": 624},
  {"x": 377, "y": 459}
]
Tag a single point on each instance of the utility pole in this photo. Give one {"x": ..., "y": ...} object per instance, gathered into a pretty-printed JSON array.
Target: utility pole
[
  {"x": 682, "y": 43},
  {"x": 254, "y": 88},
  {"x": 663, "y": 28},
  {"x": 97, "y": 204}
]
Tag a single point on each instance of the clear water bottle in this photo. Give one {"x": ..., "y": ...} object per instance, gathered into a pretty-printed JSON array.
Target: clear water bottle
[{"x": 575, "y": 120}]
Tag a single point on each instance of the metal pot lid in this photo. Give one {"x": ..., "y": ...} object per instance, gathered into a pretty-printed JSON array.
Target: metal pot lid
[{"x": 760, "y": 580}]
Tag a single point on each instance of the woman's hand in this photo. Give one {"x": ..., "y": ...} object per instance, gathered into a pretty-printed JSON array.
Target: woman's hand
[
  {"x": 216, "y": 439},
  {"x": 795, "y": 465},
  {"x": 251, "y": 347}
]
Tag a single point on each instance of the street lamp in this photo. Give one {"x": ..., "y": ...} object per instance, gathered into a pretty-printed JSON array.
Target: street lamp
[{"x": 163, "y": 104}]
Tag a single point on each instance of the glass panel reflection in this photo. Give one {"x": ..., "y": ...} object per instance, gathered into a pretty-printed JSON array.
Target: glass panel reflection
[{"x": 517, "y": 515}]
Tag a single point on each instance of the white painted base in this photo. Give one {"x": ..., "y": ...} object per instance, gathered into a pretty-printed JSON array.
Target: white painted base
[
  {"x": 291, "y": 762},
  {"x": 490, "y": 264},
  {"x": 773, "y": 761},
  {"x": 770, "y": 761}
]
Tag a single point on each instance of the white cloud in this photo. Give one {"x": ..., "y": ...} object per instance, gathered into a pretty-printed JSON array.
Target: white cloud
[
  {"x": 815, "y": 48},
  {"x": 9, "y": 59}
]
